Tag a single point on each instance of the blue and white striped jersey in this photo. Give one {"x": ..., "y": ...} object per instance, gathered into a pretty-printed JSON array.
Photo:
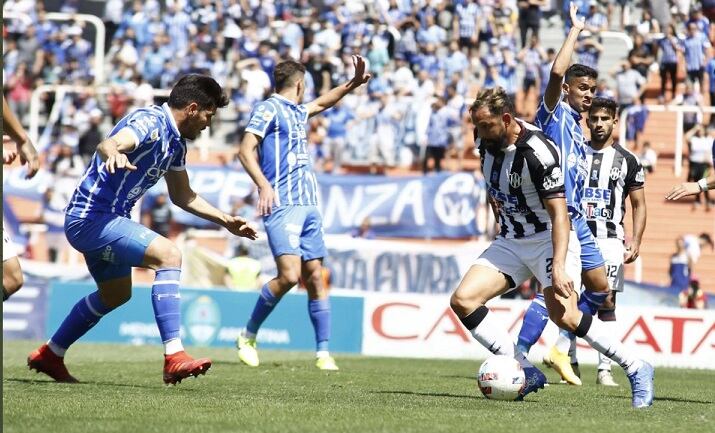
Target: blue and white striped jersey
[
  {"x": 283, "y": 151},
  {"x": 564, "y": 128},
  {"x": 159, "y": 148}
]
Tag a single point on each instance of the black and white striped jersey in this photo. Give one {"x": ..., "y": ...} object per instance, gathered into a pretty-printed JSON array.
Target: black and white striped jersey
[
  {"x": 613, "y": 172},
  {"x": 519, "y": 177}
]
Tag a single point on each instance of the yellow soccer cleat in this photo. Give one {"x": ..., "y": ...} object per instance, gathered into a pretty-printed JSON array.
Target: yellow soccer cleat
[
  {"x": 326, "y": 363},
  {"x": 247, "y": 352},
  {"x": 561, "y": 363}
]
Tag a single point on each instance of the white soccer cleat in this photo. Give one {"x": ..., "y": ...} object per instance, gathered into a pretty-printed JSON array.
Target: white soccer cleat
[
  {"x": 605, "y": 378},
  {"x": 247, "y": 352}
]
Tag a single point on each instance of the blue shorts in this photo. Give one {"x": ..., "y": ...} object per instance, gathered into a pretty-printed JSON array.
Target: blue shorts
[
  {"x": 591, "y": 257},
  {"x": 111, "y": 244},
  {"x": 297, "y": 231}
]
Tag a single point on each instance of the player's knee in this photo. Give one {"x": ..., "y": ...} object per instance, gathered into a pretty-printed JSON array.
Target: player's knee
[
  {"x": 116, "y": 298},
  {"x": 461, "y": 304},
  {"x": 12, "y": 282},
  {"x": 288, "y": 278},
  {"x": 171, "y": 257}
]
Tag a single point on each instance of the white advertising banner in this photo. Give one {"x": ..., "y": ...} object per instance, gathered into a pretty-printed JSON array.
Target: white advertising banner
[
  {"x": 371, "y": 265},
  {"x": 424, "y": 326}
]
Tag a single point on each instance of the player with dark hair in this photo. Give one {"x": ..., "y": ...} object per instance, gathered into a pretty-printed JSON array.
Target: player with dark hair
[
  {"x": 288, "y": 198},
  {"x": 146, "y": 145},
  {"x": 569, "y": 93},
  {"x": 12, "y": 279},
  {"x": 521, "y": 166},
  {"x": 614, "y": 174}
]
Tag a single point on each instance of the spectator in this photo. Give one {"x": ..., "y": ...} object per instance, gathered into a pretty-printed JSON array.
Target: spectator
[
  {"x": 53, "y": 216},
  {"x": 630, "y": 86},
  {"x": 595, "y": 22},
  {"x": 693, "y": 297},
  {"x": 680, "y": 266},
  {"x": 364, "y": 231},
  {"x": 529, "y": 18},
  {"x": 691, "y": 98},
  {"x": 588, "y": 49},
  {"x": 603, "y": 91},
  {"x": 242, "y": 271},
  {"x": 694, "y": 245},
  {"x": 635, "y": 123},
  {"x": 668, "y": 47},
  {"x": 437, "y": 139},
  {"x": 699, "y": 160},
  {"x": 641, "y": 56},
  {"x": 531, "y": 57},
  {"x": 160, "y": 215},
  {"x": 696, "y": 46},
  {"x": 545, "y": 71},
  {"x": 92, "y": 137},
  {"x": 648, "y": 157},
  {"x": 647, "y": 25},
  {"x": 466, "y": 25},
  {"x": 338, "y": 120}
]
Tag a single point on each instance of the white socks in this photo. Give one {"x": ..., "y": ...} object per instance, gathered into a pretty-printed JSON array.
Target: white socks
[
  {"x": 492, "y": 334},
  {"x": 598, "y": 337},
  {"x": 173, "y": 346}
]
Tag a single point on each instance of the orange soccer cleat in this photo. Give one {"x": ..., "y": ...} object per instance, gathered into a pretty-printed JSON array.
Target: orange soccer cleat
[
  {"x": 180, "y": 365},
  {"x": 45, "y": 361}
]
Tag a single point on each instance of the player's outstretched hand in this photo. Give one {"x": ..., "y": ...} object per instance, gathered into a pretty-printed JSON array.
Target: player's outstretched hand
[
  {"x": 683, "y": 190},
  {"x": 266, "y": 198},
  {"x": 28, "y": 155},
  {"x": 576, "y": 22},
  {"x": 360, "y": 77},
  {"x": 562, "y": 283},
  {"x": 240, "y": 227},
  {"x": 118, "y": 161},
  {"x": 8, "y": 156}
]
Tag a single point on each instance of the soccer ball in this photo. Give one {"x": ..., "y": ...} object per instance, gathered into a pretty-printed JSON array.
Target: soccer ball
[{"x": 501, "y": 378}]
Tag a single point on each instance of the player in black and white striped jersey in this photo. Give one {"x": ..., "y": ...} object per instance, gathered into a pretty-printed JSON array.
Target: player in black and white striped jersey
[
  {"x": 525, "y": 184},
  {"x": 614, "y": 174}
]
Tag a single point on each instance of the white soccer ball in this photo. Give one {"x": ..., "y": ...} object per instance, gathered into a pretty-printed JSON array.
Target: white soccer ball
[{"x": 501, "y": 378}]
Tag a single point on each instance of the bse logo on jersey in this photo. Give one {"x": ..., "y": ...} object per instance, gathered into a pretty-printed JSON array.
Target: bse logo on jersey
[{"x": 598, "y": 195}]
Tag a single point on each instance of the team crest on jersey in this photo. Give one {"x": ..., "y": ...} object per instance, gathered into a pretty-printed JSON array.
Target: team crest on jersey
[
  {"x": 154, "y": 135},
  {"x": 596, "y": 162},
  {"x": 571, "y": 160},
  {"x": 514, "y": 180},
  {"x": 615, "y": 173}
]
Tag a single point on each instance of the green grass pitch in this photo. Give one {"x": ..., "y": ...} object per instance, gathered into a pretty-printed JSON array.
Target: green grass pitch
[{"x": 122, "y": 391}]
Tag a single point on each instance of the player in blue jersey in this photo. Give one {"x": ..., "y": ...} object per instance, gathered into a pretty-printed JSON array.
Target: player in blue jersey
[
  {"x": 147, "y": 144},
  {"x": 288, "y": 194},
  {"x": 12, "y": 278},
  {"x": 568, "y": 94}
]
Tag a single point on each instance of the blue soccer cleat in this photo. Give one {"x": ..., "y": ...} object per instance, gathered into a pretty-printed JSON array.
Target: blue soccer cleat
[
  {"x": 642, "y": 386},
  {"x": 534, "y": 380}
]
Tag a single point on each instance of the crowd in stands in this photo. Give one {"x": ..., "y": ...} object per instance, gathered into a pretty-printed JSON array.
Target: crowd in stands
[{"x": 427, "y": 59}]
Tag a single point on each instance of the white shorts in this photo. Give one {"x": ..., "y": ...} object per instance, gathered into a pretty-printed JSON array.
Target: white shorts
[
  {"x": 613, "y": 252},
  {"x": 8, "y": 248},
  {"x": 520, "y": 259}
]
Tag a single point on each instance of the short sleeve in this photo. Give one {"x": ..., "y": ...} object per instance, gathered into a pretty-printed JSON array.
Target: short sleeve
[
  {"x": 145, "y": 125},
  {"x": 544, "y": 116},
  {"x": 179, "y": 161},
  {"x": 635, "y": 176},
  {"x": 546, "y": 173},
  {"x": 262, "y": 117}
]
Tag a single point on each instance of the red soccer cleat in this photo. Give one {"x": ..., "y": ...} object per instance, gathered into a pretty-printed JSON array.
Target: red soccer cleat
[
  {"x": 180, "y": 365},
  {"x": 45, "y": 361}
]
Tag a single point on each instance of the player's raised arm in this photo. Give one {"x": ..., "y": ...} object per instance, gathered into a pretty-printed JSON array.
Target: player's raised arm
[
  {"x": 25, "y": 149},
  {"x": 181, "y": 194},
  {"x": 327, "y": 100},
  {"x": 113, "y": 150},
  {"x": 552, "y": 95}
]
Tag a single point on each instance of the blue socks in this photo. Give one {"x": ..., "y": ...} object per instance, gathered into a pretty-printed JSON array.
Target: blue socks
[
  {"x": 264, "y": 306},
  {"x": 590, "y": 302},
  {"x": 166, "y": 301},
  {"x": 319, "y": 310},
  {"x": 535, "y": 319},
  {"x": 83, "y": 316}
]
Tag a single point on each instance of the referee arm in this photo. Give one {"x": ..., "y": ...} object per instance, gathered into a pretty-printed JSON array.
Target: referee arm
[
  {"x": 327, "y": 100},
  {"x": 552, "y": 95}
]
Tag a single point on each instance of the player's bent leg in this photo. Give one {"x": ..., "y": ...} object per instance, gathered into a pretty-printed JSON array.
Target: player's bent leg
[
  {"x": 319, "y": 312},
  {"x": 12, "y": 279},
  {"x": 86, "y": 313},
  {"x": 271, "y": 293},
  {"x": 565, "y": 314},
  {"x": 479, "y": 285},
  {"x": 535, "y": 319},
  {"x": 164, "y": 258}
]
